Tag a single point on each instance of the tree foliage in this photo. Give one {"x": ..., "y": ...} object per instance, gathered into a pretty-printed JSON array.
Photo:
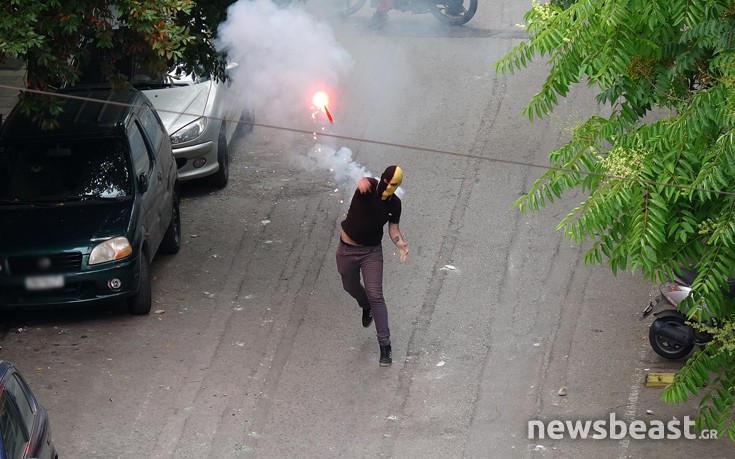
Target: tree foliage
[
  {"x": 661, "y": 193},
  {"x": 55, "y": 37}
]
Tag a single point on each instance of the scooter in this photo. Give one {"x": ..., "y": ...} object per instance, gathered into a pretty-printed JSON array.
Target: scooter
[
  {"x": 451, "y": 12},
  {"x": 671, "y": 336}
]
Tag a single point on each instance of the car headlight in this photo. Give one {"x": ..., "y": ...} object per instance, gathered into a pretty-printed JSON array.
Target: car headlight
[
  {"x": 112, "y": 249},
  {"x": 189, "y": 132}
]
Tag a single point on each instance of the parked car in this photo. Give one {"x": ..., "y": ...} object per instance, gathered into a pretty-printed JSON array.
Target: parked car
[
  {"x": 24, "y": 424},
  {"x": 85, "y": 207},
  {"x": 202, "y": 117},
  {"x": 201, "y": 114}
]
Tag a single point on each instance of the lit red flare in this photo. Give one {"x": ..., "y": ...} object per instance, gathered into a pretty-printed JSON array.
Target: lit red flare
[{"x": 321, "y": 100}]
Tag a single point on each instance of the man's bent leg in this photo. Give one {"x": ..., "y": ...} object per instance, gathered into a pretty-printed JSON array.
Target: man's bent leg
[
  {"x": 348, "y": 266},
  {"x": 372, "y": 273}
]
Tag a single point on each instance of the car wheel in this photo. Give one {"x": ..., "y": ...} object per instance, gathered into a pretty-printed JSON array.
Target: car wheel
[
  {"x": 219, "y": 179},
  {"x": 172, "y": 239},
  {"x": 245, "y": 126},
  {"x": 140, "y": 303}
]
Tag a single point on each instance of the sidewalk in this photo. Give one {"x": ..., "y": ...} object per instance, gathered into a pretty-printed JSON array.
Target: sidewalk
[{"x": 12, "y": 73}]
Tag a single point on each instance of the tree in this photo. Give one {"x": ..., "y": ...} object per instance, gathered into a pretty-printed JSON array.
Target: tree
[
  {"x": 659, "y": 194},
  {"x": 54, "y": 37}
]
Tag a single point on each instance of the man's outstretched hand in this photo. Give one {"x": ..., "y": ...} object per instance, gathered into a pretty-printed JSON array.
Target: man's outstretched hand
[{"x": 363, "y": 185}]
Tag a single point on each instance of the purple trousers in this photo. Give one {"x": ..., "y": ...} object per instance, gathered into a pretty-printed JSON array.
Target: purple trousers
[{"x": 368, "y": 260}]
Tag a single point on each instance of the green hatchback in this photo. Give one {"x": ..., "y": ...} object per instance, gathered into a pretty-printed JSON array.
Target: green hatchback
[{"x": 85, "y": 207}]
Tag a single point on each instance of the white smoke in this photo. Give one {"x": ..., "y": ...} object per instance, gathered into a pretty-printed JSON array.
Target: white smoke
[
  {"x": 346, "y": 171},
  {"x": 283, "y": 56}
]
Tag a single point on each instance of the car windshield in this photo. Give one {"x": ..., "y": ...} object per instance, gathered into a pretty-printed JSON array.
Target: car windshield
[
  {"x": 64, "y": 171},
  {"x": 177, "y": 76}
]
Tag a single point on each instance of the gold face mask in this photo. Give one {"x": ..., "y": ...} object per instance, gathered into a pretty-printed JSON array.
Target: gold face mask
[{"x": 390, "y": 181}]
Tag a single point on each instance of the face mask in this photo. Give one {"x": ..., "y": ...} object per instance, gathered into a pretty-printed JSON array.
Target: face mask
[{"x": 390, "y": 181}]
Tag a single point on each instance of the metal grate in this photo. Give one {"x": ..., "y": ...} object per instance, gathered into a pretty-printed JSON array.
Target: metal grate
[{"x": 44, "y": 264}]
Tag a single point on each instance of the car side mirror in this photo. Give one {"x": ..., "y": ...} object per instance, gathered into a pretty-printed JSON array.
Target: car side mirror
[{"x": 143, "y": 182}]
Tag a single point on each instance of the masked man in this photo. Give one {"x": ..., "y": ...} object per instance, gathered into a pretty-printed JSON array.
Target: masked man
[{"x": 360, "y": 251}]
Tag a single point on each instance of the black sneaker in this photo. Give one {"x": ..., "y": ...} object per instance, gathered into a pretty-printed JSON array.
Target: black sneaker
[
  {"x": 367, "y": 317},
  {"x": 378, "y": 19},
  {"x": 386, "y": 357}
]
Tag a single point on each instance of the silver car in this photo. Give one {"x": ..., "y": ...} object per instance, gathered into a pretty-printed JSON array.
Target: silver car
[{"x": 202, "y": 118}]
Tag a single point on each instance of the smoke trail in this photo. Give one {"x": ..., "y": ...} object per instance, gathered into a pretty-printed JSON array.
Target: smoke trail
[{"x": 346, "y": 171}]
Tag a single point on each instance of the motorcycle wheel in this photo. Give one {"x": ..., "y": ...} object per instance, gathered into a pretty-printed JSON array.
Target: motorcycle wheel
[
  {"x": 349, "y": 7},
  {"x": 453, "y": 12},
  {"x": 666, "y": 348}
]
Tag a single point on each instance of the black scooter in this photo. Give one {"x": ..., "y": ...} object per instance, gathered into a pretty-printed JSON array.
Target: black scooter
[
  {"x": 671, "y": 336},
  {"x": 451, "y": 12}
]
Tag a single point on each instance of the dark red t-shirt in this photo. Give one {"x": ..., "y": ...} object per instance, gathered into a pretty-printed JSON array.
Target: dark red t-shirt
[{"x": 368, "y": 214}]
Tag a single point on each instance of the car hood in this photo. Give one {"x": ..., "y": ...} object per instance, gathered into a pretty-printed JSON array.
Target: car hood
[
  {"x": 180, "y": 105},
  {"x": 25, "y": 229}
]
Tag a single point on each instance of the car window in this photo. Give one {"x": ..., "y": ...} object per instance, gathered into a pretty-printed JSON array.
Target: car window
[
  {"x": 139, "y": 150},
  {"x": 52, "y": 172},
  {"x": 16, "y": 387},
  {"x": 152, "y": 127},
  {"x": 15, "y": 435}
]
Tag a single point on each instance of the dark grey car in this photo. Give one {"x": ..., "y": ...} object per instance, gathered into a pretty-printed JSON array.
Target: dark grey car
[{"x": 24, "y": 423}]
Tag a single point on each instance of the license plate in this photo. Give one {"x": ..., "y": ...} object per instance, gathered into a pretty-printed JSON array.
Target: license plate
[{"x": 44, "y": 282}]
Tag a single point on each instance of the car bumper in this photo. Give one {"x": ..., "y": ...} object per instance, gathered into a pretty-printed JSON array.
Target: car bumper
[
  {"x": 80, "y": 288},
  {"x": 187, "y": 157}
]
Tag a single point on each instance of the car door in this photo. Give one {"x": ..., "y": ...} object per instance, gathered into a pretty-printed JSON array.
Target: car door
[
  {"x": 152, "y": 195},
  {"x": 160, "y": 144}
]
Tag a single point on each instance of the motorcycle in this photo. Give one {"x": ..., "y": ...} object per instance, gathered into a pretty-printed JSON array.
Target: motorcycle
[
  {"x": 671, "y": 336},
  {"x": 451, "y": 12}
]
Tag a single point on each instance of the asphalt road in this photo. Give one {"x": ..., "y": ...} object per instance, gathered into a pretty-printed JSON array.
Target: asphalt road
[{"x": 254, "y": 350}]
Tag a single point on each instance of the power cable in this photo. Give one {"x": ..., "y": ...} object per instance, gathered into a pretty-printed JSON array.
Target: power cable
[{"x": 391, "y": 144}]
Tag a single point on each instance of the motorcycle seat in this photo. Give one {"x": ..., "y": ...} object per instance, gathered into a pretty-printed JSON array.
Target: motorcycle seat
[{"x": 687, "y": 275}]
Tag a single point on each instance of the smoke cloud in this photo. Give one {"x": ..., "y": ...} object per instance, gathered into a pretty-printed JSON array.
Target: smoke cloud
[{"x": 283, "y": 56}]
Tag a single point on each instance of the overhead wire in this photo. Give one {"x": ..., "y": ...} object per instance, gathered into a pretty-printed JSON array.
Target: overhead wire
[{"x": 392, "y": 144}]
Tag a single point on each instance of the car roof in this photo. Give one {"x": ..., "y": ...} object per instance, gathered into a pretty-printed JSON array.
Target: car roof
[{"x": 90, "y": 111}]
